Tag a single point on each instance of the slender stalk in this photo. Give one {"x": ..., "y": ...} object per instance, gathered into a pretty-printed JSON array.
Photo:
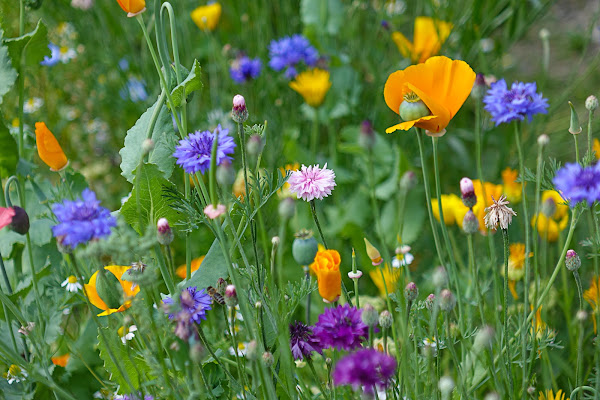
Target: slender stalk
[
  {"x": 308, "y": 297},
  {"x": 314, "y": 135},
  {"x": 458, "y": 366},
  {"x": 234, "y": 345},
  {"x": 314, "y": 372},
  {"x": 163, "y": 269},
  {"x": 576, "y": 149},
  {"x": 580, "y": 338},
  {"x": 505, "y": 309},
  {"x": 475, "y": 277},
  {"x": 590, "y": 134}
]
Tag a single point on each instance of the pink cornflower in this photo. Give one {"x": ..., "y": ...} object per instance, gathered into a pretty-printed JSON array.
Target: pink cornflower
[
  {"x": 312, "y": 182},
  {"x": 212, "y": 212}
]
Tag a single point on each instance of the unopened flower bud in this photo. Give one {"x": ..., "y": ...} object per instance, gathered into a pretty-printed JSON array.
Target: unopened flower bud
[
  {"x": 408, "y": 181},
  {"x": 225, "y": 173},
  {"x": 467, "y": 191},
  {"x": 430, "y": 301},
  {"x": 581, "y": 315},
  {"x": 479, "y": 87},
  {"x": 440, "y": 277},
  {"x": 385, "y": 319},
  {"x": 304, "y": 247},
  {"x": 447, "y": 300},
  {"x": 492, "y": 396},
  {"x": 252, "y": 351},
  {"x": 411, "y": 292},
  {"x": 164, "y": 234},
  {"x": 591, "y": 103},
  {"x": 239, "y": 112},
  {"x": 147, "y": 146},
  {"x": 275, "y": 241},
  {"x": 470, "y": 223},
  {"x": 366, "y": 137},
  {"x": 574, "y": 128},
  {"x": 572, "y": 260},
  {"x": 484, "y": 338},
  {"x": 369, "y": 315},
  {"x": 258, "y": 304},
  {"x": 446, "y": 385},
  {"x": 287, "y": 208},
  {"x": 268, "y": 359},
  {"x": 328, "y": 362},
  {"x": 373, "y": 253},
  {"x": 544, "y": 34},
  {"x": 531, "y": 390},
  {"x": 255, "y": 145},
  {"x": 20, "y": 221},
  {"x": 230, "y": 296},
  {"x": 543, "y": 140}
]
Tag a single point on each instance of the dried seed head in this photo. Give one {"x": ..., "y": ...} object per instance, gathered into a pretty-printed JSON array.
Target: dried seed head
[{"x": 499, "y": 214}]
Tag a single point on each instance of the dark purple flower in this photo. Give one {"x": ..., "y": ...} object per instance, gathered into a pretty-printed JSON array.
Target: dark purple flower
[
  {"x": 578, "y": 184},
  {"x": 366, "y": 369},
  {"x": 244, "y": 69},
  {"x": 302, "y": 341},
  {"x": 193, "y": 303},
  {"x": 290, "y": 51},
  {"x": 341, "y": 328},
  {"x": 193, "y": 152},
  {"x": 82, "y": 220},
  {"x": 519, "y": 102}
]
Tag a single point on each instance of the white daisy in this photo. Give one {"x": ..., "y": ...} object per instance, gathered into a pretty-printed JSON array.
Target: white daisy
[
  {"x": 66, "y": 54},
  {"x": 15, "y": 374},
  {"x": 72, "y": 285},
  {"x": 241, "y": 350},
  {"x": 32, "y": 105},
  {"x": 127, "y": 334},
  {"x": 403, "y": 257}
]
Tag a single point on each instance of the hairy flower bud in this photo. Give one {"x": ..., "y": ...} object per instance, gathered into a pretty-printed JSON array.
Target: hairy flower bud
[
  {"x": 470, "y": 223},
  {"x": 239, "y": 112},
  {"x": 164, "y": 233},
  {"x": 467, "y": 191},
  {"x": 543, "y": 140},
  {"x": 446, "y": 385},
  {"x": 231, "y": 296},
  {"x": 484, "y": 338},
  {"x": 268, "y": 359},
  {"x": 385, "y": 319},
  {"x": 572, "y": 261},
  {"x": 591, "y": 103},
  {"x": 447, "y": 300},
  {"x": 411, "y": 292},
  {"x": 479, "y": 87},
  {"x": 430, "y": 301},
  {"x": 440, "y": 277},
  {"x": 20, "y": 221},
  {"x": 369, "y": 315}
]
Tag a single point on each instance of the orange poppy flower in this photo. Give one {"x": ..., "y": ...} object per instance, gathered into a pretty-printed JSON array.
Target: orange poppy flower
[
  {"x": 48, "y": 148},
  {"x": 181, "y": 270},
  {"x": 440, "y": 83},
  {"x": 132, "y": 6},
  {"x": 61, "y": 361},
  {"x": 327, "y": 268},
  {"x": 427, "y": 41},
  {"x": 129, "y": 290}
]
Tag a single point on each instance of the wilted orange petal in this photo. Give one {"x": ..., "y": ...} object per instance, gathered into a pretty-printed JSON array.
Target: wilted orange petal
[{"x": 48, "y": 147}]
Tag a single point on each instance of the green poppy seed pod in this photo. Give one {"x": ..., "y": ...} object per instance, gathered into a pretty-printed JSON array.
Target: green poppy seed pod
[
  {"x": 287, "y": 208},
  {"x": 470, "y": 223},
  {"x": 574, "y": 128},
  {"x": 20, "y": 221},
  {"x": 268, "y": 359},
  {"x": 572, "y": 260},
  {"x": 252, "y": 351},
  {"x": 411, "y": 292},
  {"x": 304, "y": 247},
  {"x": 591, "y": 103},
  {"x": 369, "y": 315},
  {"x": 412, "y": 108},
  {"x": 447, "y": 300},
  {"x": 109, "y": 288},
  {"x": 385, "y": 319}
]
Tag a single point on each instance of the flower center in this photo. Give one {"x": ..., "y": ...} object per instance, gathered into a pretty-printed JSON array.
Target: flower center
[
  {"x": 72, "y": 279},
  {"x": 121, "y": 332},
  {"x": 411, "y": 97}
]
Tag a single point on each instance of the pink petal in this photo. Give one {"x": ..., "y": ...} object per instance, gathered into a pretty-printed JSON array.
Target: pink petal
[{"x": 6, "y": 215}]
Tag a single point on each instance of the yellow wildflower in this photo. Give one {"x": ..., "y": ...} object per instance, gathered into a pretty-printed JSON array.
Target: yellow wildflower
[
  {"x": 207, "y": 17},
  {"x": 312, "y": 85},
  {"x": 391, "y": 277},
  {"x": 596, "y": 148},
  {"x": 511, "y": 188},
  {"x": 429, "y": 35},
  {"x": 516, "y": 261},
  {"x": 592, "y": 296},
  {"x": 553, "y": 217},
  {"x": 195, "y": 264},
  {"x": 549, "y": 395},
  {"x": 129, "y": 290},
  {"x": 284, "y": 192}
]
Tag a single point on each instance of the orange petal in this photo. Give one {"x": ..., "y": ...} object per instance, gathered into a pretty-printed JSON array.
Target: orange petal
[
  {"x": 404, "y": 126},
  {"x": 129, "y": 288},
  {"x": 404, "y": 45},
  {"x": 330, "y": 284},
  {"x": 429, "y": 37},
  {"x": 182, "y": 269},
  {"x": 90, "y": 289},
  {"x": 48, "y": 147},
  {"x": 132, "y": 6},
  {"x": 512, "y": 287}
]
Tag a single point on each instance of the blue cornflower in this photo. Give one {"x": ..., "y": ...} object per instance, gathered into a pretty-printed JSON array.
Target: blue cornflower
[
  {"x": 515, "y": 104},
  {"x": 244, "y": 69},
  {"x": 341, "y": 328},
  {"x": 290, "y": 51},
  {"x": 193, "y": 152},
  {"x": 193, "y": 304},
  {"x": 54, "y": 56},
  {"x": 135, "y": 90},
  {"x": 82, "y": 220},
  {"x": 578, "y": 184}
]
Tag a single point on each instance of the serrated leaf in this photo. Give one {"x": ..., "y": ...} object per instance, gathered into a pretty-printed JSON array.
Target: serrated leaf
[
  {"x": 126, "y": 361},
  {"x": 34, "y": 44},
  {"x": 8, "y": 151},
  {"x": 190, "y": 84},
  {"x": 163, "y": 135},
  {"x": 8, "y": 75},
  {"x": 212, "y": 268},
  {"x": 153, "y": 202}
]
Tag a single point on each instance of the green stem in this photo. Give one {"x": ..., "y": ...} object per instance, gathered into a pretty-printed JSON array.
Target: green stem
[
  {"x": 576, "y": 149},
  {"x": 164, "y": 271},
  {"x": 475, "y": 276},
  {"x": 314, "y": 135},
  {"x": 590, "y": 133},
  {"x": 505, "y": 309},
  {"x": 314, "y": 372},
  {"x": 580, "y": 339},
  {"x": 234, "y": 345}
]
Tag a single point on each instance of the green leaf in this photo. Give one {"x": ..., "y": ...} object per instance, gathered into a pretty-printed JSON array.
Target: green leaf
[
  {"x": 192, "y": 83},
  {"x": 8, "y": 75},
  {"x": 163, "y": 135},
  {"x": 324, "y": 16},
  {"x": 126, "y": 361},
  {"x": 33, "y": 45},
  {"x": 8, "y": 151},
  {"x": 153, "y": 202},
  {"x": 212, "y": 268}
]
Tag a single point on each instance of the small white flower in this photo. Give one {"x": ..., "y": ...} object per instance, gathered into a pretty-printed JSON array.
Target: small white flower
[
  {"x": 32, "y": 105},
  {"x": 71, "y": 284},
  {"x": 15, "y": 374},
  {"x": 499, "y": 214},
  {"x": 403, "y": 257},
  {"x": 127, "y": 334},
  {"x": 66, "y": 54},
  {"x": 241, "y": 350}
]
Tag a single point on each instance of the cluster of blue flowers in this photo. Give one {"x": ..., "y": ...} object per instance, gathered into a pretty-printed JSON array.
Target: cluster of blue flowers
[
  {"x": 522, "y": 100},
  {"x": 245, "y": 69},
  {"x": 288, "y": 52}
]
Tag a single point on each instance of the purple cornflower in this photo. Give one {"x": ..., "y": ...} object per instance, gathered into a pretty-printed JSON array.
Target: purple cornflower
[
  {"x": 312, "y": 182},
  {"x": 54, "y": 56},
  {"x": 244, "y": 69},
  {"x": 193, "y": 304},
  {"x": 290, "y": 51},
  {"x": 193, "y": 152},
  {"x": 341, "y": 328},
  {"x": 302, "y": 341},
  {"x": 367, "y": 369},
  {"x": 578, "y": 184},
  {"x": 515, "y": 104},
  {"x": 81, "y": 220}
]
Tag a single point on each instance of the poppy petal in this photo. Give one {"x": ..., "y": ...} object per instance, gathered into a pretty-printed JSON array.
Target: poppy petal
[
  {"x": 406, "y": 125},
  {"x": 405, "y": 47},
  {"x": 93, "y": 297},
  {"x": 429, "y": 36}
]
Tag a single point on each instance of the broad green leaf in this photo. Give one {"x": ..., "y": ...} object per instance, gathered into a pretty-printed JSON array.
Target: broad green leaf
[
  {"x": 8, "y": 151},
  {"x": 192, "y": 83},
  {"x": 125, "y": 359},
  {"x": 34, "y": 43},
  {"x": 324, "y": 16},
  {"x": 212, "y": 268},
  {"x": 163, "y": 135},
  {"x": 8, "y": 75},
  {"x": 154, "y": 203}
]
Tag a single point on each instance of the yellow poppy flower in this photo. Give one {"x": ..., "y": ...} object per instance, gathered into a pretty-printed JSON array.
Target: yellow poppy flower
[
  {"x": 284, "y": 192},
  {"x": 48, "y": 147},
  {"x": 429, "y": 35},
  {"x": 391, "y": 277},
  {"x": 511, "y": 188},
  {"x": 207, "y": 17},
  {"x": 451, "y": 203},
  {"x": 312, "y": 85},
  {"x": 440, "y": 83},
  {"x": 61, "y": 361},
  {"x": 516, "y": 261},
  {"x": 132, "y": 6},
  {"x": 327, "y": 268},
  {"x": 592, "y": 296},
  {"x": 181, "y": 270},
  {"x": 538, "y": 325},
  {"x": 549, "y": 395},
  {"x": 554, "y": 200},
  {"x": 596, "y": 148},
  {"x": 549, "y": 228},
  {"x": 129, "y": 290}
]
